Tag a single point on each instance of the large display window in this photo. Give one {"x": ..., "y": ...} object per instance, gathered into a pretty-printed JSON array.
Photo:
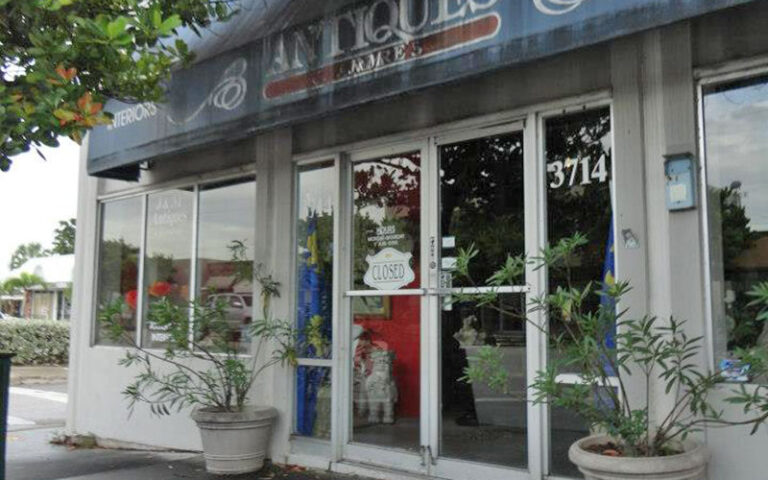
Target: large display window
[
  {"x": 190, "y": 243},
  {"x": 735, "y": 116},
  {"x": 118, "y": 271}
]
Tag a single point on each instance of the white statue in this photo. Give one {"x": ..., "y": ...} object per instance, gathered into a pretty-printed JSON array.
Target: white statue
[
  {"x": 468, "y": 335},
  {"x": 381, "y": 389}
]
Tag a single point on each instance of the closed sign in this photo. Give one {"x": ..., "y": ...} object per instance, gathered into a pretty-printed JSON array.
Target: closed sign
[{"x": 389, "y": 269}]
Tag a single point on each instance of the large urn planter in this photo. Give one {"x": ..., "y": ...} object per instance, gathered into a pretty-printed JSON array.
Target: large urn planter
[
  {"x": 235, "y": 442},
  {"x": 690, "y": 465}
]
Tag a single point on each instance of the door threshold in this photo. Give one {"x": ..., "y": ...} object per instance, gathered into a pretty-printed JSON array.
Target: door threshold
[{"x": 377, "y": 471}]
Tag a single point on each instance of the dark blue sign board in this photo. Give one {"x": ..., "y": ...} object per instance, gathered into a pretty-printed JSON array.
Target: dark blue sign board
[{"x": 367, "y": 51}]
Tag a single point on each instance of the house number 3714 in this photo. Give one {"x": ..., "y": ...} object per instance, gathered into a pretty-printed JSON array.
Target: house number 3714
[{"x": 575, "y": 171}]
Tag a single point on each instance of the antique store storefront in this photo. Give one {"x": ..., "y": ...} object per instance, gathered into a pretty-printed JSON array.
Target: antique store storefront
[{"x": 354, "y": 147}]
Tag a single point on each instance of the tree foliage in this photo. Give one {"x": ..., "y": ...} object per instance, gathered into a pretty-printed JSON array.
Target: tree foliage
[
  {"x": 61, "y": 59},
  {"x": 64, "y": 238},
  {"x": 23, "y": 282},
  {"x": 24, "y": 253}
]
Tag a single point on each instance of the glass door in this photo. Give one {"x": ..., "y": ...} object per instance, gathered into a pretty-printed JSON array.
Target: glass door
[
  {"x": 410, "y": 338},
  {"x": 478, "y": 428},
  {"x": 385, "y": 302}
]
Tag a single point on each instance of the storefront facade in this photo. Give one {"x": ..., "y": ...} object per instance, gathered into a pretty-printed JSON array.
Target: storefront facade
[{"x": 355, "y": 178}]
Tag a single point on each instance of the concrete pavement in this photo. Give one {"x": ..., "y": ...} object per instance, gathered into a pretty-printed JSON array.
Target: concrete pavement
[
  {"x": 37, "y": 406},
  {"x": 37, "y": 413},
  {"x": 32, "y": 457}
]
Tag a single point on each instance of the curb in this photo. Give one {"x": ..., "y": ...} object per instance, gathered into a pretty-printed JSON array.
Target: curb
[{"x": 37, "y": 375}]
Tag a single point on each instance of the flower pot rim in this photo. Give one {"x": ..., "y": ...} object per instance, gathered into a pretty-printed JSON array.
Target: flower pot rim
[
  {"x": 695, "y": 456},
  {"x": 248, "y": 413},
  {"x": 689, "y": 446}
]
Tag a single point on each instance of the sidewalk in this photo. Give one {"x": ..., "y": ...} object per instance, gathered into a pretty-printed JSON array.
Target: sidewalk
[
  {"x": 37, "y": 375},
  {"x": 31, "y": 457}
]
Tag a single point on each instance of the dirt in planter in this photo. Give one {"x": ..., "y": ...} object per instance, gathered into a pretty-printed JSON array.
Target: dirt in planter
[{"x": 612, "y": 449}]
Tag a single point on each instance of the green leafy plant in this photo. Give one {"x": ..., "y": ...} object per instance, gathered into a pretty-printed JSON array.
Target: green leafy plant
[
  {"x": 202, "y": 365},
  {"x": 611, "y": 349},
  {"x": 35, "y": 342},
  {"x": 61, "y": 59}
]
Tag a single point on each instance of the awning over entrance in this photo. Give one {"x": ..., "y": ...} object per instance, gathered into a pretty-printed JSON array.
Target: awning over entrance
[{"x": 283, "y": 61}]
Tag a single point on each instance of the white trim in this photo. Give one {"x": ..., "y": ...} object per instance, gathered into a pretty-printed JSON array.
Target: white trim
[
  {"x": 386, "y": 293},
  {"x": 342, "y": 432},
  {"x": 337, "y": 348},
  {"x": 387, "y": 457},
  {"x": 709, "y": 324},
  {"x": 478, "y": 290},
  {"x": 460, "y": 469},
  {"x": 314, "y": 362},
  {"x": 140, "y": 274},
  {"x": 193, "y": 260},
  {"x": 536, "y": 342},
  {"x": 431, "y": 337},
  {"x": 93, "y": 300}
]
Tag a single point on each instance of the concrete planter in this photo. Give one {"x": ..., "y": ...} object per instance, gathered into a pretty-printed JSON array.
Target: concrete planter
[
  {"x": 235, "y": 442},
  {"x": 691, "y": 465}
]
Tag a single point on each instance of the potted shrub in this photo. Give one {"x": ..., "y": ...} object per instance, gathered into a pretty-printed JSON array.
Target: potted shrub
[
  {"x": 610, "y": 349},
  {"x": 201, "y": 367}
]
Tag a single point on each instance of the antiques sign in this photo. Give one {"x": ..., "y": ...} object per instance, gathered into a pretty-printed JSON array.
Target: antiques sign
[{"x": 369, "y": 50}]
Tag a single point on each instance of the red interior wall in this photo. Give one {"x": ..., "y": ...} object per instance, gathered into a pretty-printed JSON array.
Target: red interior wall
[{"x": 401, "y": 334}]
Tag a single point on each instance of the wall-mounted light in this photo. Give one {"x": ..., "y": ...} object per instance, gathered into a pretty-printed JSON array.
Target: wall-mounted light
[{"x": 680, "y": 172}]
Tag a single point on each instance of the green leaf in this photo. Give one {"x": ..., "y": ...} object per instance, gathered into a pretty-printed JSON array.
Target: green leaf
[
  {"x": 65, "y": 115},
  {"x": 169, "y": 24},
  {"x": 116, "y": 27}
]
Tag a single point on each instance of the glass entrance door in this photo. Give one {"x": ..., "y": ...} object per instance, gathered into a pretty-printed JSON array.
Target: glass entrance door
[
  {"x": 411, "y": 338},
  {"x": 479, "y": 428},
  {"x": 386, "y": 301}
]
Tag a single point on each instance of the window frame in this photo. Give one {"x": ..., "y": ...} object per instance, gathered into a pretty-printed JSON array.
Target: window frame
[
  {"x": 706, "y": 79},
  {"x": 195, "y": 184},
  {"x": 334, "y": 161}
]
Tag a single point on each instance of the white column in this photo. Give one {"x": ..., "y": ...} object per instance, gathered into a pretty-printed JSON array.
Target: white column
[{"x": 82, "y": 288}]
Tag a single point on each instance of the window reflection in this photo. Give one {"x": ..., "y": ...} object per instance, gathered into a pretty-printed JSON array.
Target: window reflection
[
  {"x": 313, "y": 402},
  {"x": 387, "y": 211},
  {"x": 226, "y": 230},
  {"x": 119, "y": 261},
  {"x": 167, "y": 259},
  {"x": 386, "y": 329},
  {"x": 314, "y": 234},
  {"x": 578, "y": 156},
  {"x": 481, "y": 202},
  {"x": 482, "y": 205},
  {"x": 316, "y": 191},
  {"x": 735, "y": 116}
]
